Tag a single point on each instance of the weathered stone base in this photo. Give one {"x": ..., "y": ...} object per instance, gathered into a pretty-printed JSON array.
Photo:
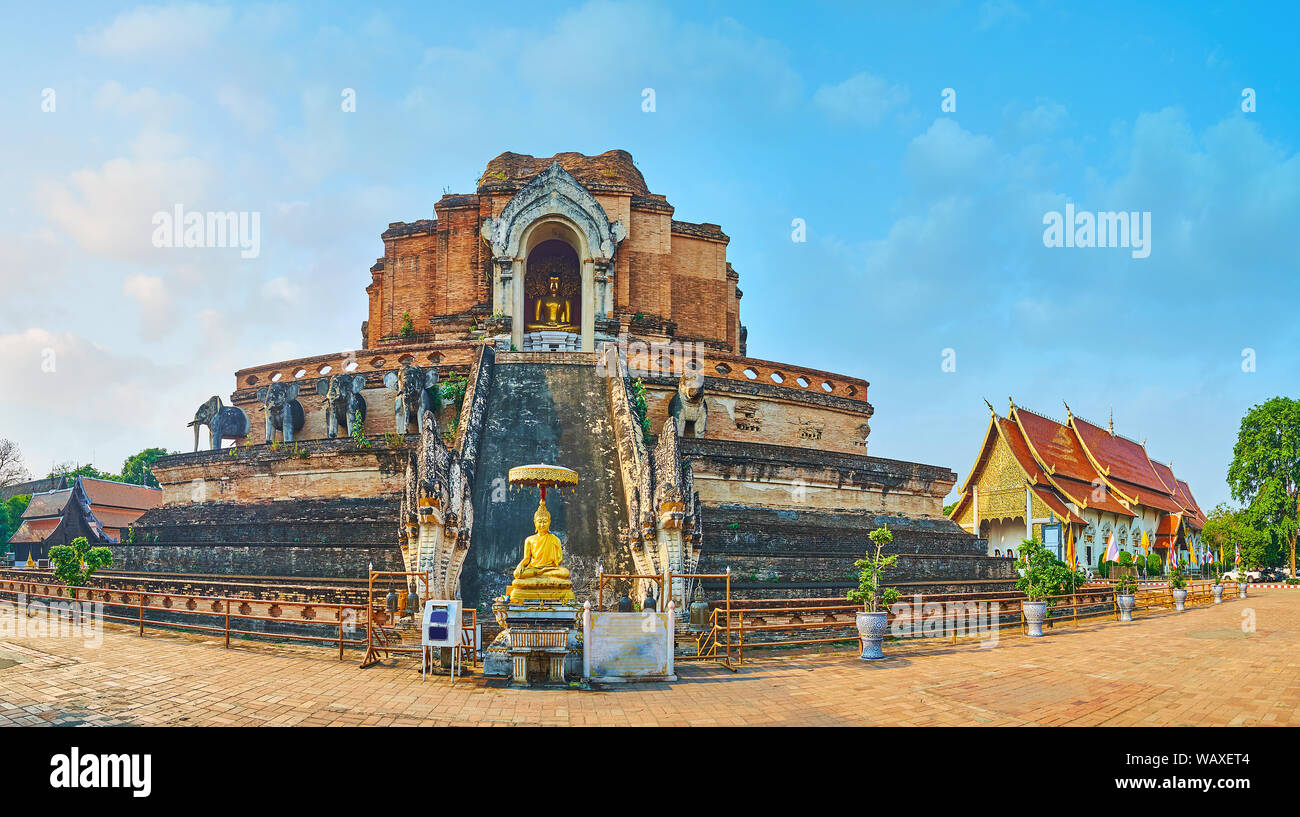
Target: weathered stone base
[{"x": 539, "y": 644}]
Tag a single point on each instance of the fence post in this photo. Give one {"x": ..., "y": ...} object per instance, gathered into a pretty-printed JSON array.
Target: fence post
[
  {"x": 741, "y": 636},
  {"x": 139, "y": 597},
  {"x": 339, "y": 615},
  {"x": 227, "y": 623}
]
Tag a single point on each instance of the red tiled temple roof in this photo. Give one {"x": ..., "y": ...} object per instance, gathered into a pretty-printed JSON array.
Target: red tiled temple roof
[
  {"x": 104, "y": 493},
  {"x": 1060, "y": 461},
  {"x": 1124, "y": 459},
  {"x": 1057, "y": 445}
]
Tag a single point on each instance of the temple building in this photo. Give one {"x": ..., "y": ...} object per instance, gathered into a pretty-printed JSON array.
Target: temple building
[
  {"x": 1038, "y": 478},
  {"x": 558, "y": 314},
  {"x": 100, "y": 510}
]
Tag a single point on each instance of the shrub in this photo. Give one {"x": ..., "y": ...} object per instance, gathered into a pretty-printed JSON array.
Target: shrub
[
  {"x": 1154, "y": 565},
  {"x": 1045, "y": 575},
  {"x": 74, "y": 563},
  {"x": 870, "y": 571},
  {"x": 1103, "y": 566}
]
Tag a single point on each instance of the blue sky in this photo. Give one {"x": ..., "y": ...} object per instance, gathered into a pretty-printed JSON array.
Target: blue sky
[{"x": 924, "y": 227}]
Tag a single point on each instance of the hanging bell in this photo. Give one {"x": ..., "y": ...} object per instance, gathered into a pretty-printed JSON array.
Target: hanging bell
[
  {"x": 391, "y": 601},
  {"x": 412, "y": 604}
]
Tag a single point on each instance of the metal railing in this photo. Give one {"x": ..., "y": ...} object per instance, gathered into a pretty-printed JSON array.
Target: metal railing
[
  {"x": 282, "y": 620},
  {"x": 740, "y": 626}
]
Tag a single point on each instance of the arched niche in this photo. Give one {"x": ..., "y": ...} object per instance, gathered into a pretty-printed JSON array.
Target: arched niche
[{"x": 554, "y": 206}]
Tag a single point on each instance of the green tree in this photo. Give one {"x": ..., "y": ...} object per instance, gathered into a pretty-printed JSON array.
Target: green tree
[
  {"x": 74, "y": 563},
  {"x": 136, "y": 468},
  {"x": 1226, "y": 529},
  {"x": 71, "y": 470},
  {"x": 1265, "y": 469},
  {"x": 11, "y": 515}
]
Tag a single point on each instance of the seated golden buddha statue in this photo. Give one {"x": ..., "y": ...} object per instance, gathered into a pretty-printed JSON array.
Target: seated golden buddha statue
[
  {"x": 552, "y": 313},
  {"x": 540, "y": 576}
]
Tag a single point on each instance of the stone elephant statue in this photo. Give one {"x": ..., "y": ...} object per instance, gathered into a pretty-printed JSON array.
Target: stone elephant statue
[
  {"x": 412, "y": 385},
  {"x": 223, "y": 422},
  {"x": 343, "y": 399},
  {"x": 283, "y": 411}
]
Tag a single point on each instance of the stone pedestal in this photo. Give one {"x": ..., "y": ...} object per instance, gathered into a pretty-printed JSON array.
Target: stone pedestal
[
  {"x": 540, "y": 643},
  {"x": 552, "y": 341}
]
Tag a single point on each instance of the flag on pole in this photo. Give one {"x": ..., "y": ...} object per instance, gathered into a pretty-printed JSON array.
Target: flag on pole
[
  {"x": 1146, "y": 544},
  {"x": 1237, "y": 561},
  {"x": 1071, "y": 558},
  {"x": 1112, "y": 549},
  {"x": 1209, "y": 556},
  {"x": 1191, "y": 557},
  {"x": 1173, "y": 557}
]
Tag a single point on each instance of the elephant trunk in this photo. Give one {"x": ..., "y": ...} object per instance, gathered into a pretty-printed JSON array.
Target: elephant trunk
[{"x": 195, "y": 425}]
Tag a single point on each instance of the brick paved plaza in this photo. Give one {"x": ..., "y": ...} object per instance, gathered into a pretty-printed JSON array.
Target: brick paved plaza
[{"x": 1194, "y": 668}]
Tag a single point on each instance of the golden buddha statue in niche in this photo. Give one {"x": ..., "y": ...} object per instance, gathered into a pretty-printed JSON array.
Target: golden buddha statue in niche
[
  {"x": 552, "y": 312},
  {"x": 540, "y": 575}
]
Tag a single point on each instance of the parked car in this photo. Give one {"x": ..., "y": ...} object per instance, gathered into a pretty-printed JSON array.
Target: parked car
[{"x": 1243, "y": 575}]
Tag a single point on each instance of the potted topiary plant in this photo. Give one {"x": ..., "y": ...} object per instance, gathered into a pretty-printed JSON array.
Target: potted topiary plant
[
  {"x": 1124, "y": 597},
  {"x": 1242, "y": 584},
  {"x": 1042, "y": 576},
  {"x": 1217, "y": 590},
  {"x": 874, "y": 617},
  {"x": 1178, "y": 588}
]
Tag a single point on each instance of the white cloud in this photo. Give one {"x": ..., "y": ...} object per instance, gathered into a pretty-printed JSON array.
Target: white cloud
[
  {"x": 948, "y": 158},
  {"x": 862, "y": 98},
  {"x": 157, "y": 315},
  {"x": 109, "y": 212},
  {"x": 1044, "y": 119},
  {"x": 995, "y": 11},
  {"x": 141, "y": 104},
  {"x": 175, "y": 30},
  {"x": 253, "y": 113},
  {"x": 281, "y": 288},
  {"x": 91, "y": 400}
]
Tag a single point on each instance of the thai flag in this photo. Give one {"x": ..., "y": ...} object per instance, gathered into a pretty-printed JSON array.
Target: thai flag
[
  {"x": 1238, "y": 559},
  {"x": 1112, "y": 549}
]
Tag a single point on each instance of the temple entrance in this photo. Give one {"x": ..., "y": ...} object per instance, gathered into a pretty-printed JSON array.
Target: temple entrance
[{"x": 552, "y": 298}]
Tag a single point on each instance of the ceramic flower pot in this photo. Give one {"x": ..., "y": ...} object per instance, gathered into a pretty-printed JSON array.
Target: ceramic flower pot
[
  {"x": 871, "y": 626},
  {"x": 1217, "y": 590},
  {"x": 1180, "y": 599},
  {"x": 1035, "y": 612},
  {"x": 1125, "y": 602},
  {"x": 1241, "y": 590}
]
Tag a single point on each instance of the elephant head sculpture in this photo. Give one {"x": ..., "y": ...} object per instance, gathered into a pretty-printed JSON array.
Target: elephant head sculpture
[
  {"x": 412, "y": 385},
  {"x": 343, "y": 399},
  {"x": 283, "y": 411},
  {"x": 223, "y": 422}
]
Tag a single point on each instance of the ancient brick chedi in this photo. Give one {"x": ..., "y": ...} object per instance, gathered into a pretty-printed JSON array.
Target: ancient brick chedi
[{"x": 559, "y": 314}]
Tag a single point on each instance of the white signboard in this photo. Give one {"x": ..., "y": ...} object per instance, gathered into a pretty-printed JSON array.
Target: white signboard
[{"x": 628, "y": 646}]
